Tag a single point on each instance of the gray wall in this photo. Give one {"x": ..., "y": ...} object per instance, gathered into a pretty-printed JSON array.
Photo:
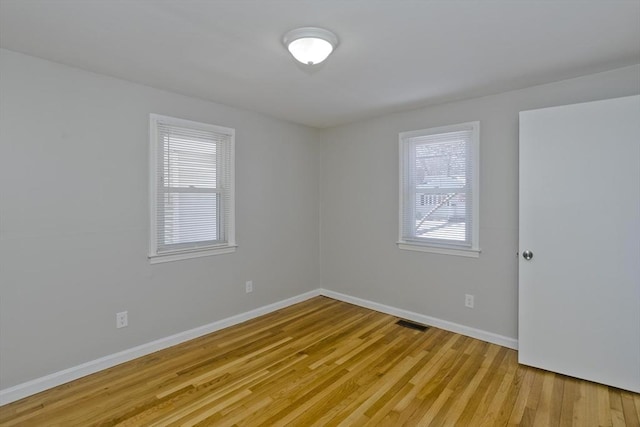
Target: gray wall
[
  {"x": 314, "y": 208},
  {"x": 74, "y": 218},
  {"x": 359, "y": 206}
]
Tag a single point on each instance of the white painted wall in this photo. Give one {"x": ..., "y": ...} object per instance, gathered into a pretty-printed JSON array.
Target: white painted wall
[
  {"x": 73, "y": 219},
  {"x": 359, "y": 207}
]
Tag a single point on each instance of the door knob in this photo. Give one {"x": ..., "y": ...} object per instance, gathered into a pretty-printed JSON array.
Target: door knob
[{"x": 527, "y": 255}]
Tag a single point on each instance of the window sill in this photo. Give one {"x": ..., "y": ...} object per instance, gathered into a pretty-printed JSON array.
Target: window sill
[
  {"x": 469, "y": 253},
  {"x": 177, "y": 256}
]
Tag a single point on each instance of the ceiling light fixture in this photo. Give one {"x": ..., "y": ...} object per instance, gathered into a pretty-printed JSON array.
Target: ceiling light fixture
[{"x": 310, "y": 45}]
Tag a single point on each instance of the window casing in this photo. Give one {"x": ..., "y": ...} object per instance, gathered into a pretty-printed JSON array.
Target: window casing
[
  {"x": 439, "y": 189},
  {"x": 191, "y": 188}
]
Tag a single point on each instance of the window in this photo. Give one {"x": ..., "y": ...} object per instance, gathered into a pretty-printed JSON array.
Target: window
[
  {"x": 192, "y": 189},
  {"x": 439, "y": 190}
]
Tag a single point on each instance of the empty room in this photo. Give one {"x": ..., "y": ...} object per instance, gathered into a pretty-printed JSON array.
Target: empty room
[{"x": 319, "y": 213}]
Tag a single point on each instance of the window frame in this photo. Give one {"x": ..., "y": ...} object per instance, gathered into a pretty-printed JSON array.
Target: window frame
[
  {"x": 225, "y": 221},
  {"x": 405, "y": 192}
]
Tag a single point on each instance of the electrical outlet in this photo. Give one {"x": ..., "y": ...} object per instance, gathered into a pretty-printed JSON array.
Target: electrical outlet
[
  {"x": 468, "y": 301},
  {"x": 122, "y": 319},
  {"x": 248, "y": 287}
]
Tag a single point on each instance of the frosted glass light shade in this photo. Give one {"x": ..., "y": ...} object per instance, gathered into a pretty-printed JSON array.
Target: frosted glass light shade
[
  {"x": 310, "y": 45},
  {"x": 310, "y": 50}
]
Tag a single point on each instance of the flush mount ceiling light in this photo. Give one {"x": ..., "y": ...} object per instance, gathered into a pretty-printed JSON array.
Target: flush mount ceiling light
[{"x": 310, "y": 45}]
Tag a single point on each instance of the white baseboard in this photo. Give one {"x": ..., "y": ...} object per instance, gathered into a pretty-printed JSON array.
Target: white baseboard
[
  {"x": 426, "y": 320},
  {"x": 55, "y": 379}
]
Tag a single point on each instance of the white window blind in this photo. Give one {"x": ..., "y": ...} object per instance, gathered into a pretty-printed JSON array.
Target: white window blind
[
  {"x": 438, "y": 185},
  {"x": 192, "y": 187}
]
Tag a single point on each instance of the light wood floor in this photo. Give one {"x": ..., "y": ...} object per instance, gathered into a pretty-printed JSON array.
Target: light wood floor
[{"x": 325, "y": 363}]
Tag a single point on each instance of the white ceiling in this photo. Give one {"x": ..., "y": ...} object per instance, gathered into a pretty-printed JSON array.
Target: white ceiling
[{"x": 393, "y": 55}]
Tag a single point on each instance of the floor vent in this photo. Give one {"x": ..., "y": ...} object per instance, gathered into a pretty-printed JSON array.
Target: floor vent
[{"x": 411, "y": 325}]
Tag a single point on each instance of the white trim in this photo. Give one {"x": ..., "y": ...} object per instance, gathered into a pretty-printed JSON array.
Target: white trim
[
  {"x": 37, "y": 385},
  {"x": 231, "y": 220},
  {"x": 55, "y": 379},
  {"x": 426, "y": 320},
  {"x": 470, "y": 253},
  {"x": 153, "y": 173},
  {"x": 475, "y": 185},
  {"x": 158, "y": 118},
  {"x": 177, "y": 256}
]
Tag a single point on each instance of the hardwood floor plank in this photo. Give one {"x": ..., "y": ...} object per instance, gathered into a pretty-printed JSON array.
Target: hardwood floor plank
[
  {"x": 617, "y": 414},
  {"x": 604, "y": 407},
  {"x": 477, "y": 407},
  {"x": 520, "y": 404},
  {"x": 629, "y": 410},
  {"x": 543, "y": 410},
  {"x": 502, "y": 404},
  {"x": 556, "y": 400},
  {"x": 327, "y": 363},
  {"x": 471, "y": 383}
]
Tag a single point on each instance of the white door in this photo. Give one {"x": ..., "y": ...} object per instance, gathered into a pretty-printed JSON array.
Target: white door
[{"x": 579, "y": 293}]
